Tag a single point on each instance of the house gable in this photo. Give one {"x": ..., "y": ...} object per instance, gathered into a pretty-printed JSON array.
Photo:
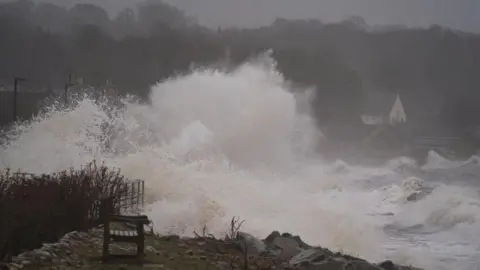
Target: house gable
[
  {"x": 397, "y": 114},
  {"x": 383, "y": 108}
]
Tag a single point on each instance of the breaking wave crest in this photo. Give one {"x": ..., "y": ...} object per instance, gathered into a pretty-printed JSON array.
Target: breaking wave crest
[{"x": 214, "y": 144}]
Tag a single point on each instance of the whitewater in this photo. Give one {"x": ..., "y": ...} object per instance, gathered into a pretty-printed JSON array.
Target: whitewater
[{"x": 214, "y": 144}]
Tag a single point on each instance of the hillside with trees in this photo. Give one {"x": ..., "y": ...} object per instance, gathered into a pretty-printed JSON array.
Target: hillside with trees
[{"x": 435, "y": 70}]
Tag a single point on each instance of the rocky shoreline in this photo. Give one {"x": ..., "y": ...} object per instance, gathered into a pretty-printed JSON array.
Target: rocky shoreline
[{"x": 241, "y": 251}]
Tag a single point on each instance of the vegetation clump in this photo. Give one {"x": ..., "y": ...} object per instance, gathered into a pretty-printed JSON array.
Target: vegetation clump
[{"x": 35, "y": 209}]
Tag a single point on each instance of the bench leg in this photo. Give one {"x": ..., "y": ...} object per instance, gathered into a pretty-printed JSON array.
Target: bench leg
[
  {"x": 140, "y": 241},
  {"x": 106, "y": 240}
]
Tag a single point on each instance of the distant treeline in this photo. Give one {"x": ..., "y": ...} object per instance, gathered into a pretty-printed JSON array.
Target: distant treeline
[{"x": 435, "y": 70}]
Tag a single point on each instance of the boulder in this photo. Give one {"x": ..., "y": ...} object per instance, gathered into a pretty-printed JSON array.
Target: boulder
[
  {"x": 271, "y": 237},
  {"x": 249, "y": 242},
  {"x": 287, "y": 246},
  {"x": 308, "y": 256},
  {"x": 389, "y": 265}
]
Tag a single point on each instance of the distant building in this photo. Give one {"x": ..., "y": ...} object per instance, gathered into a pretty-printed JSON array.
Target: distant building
[
  {"x": 384, "y": 109},
  {"x": 387, "y": 132}
]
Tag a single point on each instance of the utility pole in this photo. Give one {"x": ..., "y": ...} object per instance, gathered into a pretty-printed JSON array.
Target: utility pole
[
  {"x": 67, "y": 86},
  {"x": 15, "y": 97}
]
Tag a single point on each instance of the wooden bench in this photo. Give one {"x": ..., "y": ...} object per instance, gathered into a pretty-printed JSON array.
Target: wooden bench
[{"x": 127, "y": 235}]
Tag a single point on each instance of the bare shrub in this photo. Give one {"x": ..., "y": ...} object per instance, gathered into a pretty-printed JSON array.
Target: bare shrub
[{"x": 35, "y": 209}]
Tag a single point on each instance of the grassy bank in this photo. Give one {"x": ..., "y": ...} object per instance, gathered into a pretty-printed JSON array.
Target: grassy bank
[{"x": 202, "y": 253}]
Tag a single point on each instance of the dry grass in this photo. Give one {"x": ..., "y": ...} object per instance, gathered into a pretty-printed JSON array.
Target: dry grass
[{"x": 202, "y": 252}]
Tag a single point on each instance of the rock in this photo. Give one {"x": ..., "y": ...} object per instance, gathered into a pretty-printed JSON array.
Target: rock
[
  {"x": 288, "y": 246},
  {"x": 251, "y": 243},
  {"x": 360, "y": 265},
  {"x": 271, "y": 237},
  {"x": 322, "y": 266},
  {"x": 336, "y": 259},
  {"x": 15, "y": 265},
  {"x": 308, "y": 256},
  {"x": 344, "y": 256},
  {"x": 388, "y": 265},
  {"x": 150, "y": 249},
  {"x": 223, "y": 265},
  {"x": 301, "y": 244},
  {"x": 412, "y": 197}
]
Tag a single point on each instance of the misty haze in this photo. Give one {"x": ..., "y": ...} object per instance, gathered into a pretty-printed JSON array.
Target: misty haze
[{"x": 353, "y": 124}]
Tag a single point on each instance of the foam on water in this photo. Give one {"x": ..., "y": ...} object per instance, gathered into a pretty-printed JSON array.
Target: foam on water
[{"x": 212, "y": 145}]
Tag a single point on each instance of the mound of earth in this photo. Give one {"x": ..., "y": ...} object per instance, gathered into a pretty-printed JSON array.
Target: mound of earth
[{"x": 242, "y": 251}]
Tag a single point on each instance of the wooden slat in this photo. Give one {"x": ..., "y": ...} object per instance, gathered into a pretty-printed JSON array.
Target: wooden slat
[
  {"x": 127, "y": 233},
  {"x": 130, "y": 219}
]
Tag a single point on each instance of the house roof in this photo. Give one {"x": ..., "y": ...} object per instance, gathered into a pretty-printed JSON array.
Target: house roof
[{"x": 378, "y": 103}]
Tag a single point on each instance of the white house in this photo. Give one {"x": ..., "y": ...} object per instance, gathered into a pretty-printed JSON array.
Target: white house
[
  {"x": 397, "y": 113},
  {"x": 383, "y": 109}
]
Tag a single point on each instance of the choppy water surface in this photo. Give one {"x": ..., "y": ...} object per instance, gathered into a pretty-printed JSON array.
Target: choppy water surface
[{"x": 212, "y": 145}]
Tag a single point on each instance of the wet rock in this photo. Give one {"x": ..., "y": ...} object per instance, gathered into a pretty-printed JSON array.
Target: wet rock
[
  {"x": 322, "y": 266},
  {"x": 59, "y": 253},
  {"x": 360, "y": 265},
  {"x": 344, "y": 256},
  {"x": 249, "y": 242},
  {"x": 307, "y": 257},
  {"x": 271, "y": 237},
  {"x": 288, "y": 247},
  {"x": 387, "y": 265},
  {"x": 15, "y": 266},
  {"x": 300, "y": 242},
  {"x": 150, "y": 249}
]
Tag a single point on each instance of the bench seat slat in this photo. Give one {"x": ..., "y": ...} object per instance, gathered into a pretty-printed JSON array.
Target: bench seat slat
[
  {"x": 130, "y": 219},
  {"x": 128, "y": 233}
]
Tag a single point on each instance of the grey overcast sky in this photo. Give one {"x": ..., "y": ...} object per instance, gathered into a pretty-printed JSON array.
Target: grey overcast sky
[{"x": 458, "y": 14}]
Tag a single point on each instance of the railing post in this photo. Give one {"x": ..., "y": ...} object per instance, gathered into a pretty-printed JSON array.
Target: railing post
[
  {"x": 105, "y": 210},
  {"x": 143, "y": 194},
  {"x": 15, "y": 97},
  {"x": 67, "y": 87},
  {"x": 132, "y": 193},
  {"x": 137, "y": 196}
]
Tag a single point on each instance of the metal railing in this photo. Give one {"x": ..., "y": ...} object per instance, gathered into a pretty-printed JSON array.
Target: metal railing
[{"x": 133, "y": 200}]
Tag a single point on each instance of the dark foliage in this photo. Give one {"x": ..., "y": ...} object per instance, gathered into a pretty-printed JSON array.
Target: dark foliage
[
  {"x": 435, "y": 69},
  {"x": 35, "y": 209}
]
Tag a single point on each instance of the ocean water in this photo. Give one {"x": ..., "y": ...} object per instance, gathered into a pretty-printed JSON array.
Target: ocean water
[{"x": 212, "y": 145}]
